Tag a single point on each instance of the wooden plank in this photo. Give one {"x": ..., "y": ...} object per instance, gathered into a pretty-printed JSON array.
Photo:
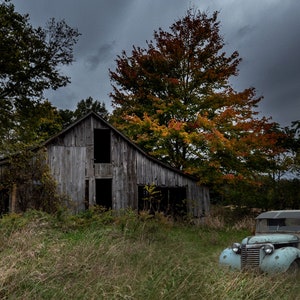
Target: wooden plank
[
  {"x": 103, "y": 170},
  {"x": 67, "y": 165}
]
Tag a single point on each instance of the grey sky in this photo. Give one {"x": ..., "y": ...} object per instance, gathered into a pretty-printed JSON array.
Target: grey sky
[{"x": 264, "y": 32}]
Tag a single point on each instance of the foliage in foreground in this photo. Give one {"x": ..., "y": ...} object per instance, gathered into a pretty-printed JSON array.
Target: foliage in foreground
[
  {"x": 106, "y": 256},
  {"x": 28, "y": 176}
]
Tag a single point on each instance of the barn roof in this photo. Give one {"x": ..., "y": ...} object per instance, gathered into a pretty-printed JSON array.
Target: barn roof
[{"x": 117, "y": 132}]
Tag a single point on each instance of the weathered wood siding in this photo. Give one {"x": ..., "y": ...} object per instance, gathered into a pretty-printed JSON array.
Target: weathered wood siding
[
  {"x": 125, "y": 189},
  {"x": 71, "y": 159},
  {"x": 68, "y": 169},
  {"x": 69, "y": 162},
  {"x": 3, "y": 169},
  {"x": 150, "y": 172},
  {"x": 198, "y": 200},
  {"x": 103, "y": 170}
]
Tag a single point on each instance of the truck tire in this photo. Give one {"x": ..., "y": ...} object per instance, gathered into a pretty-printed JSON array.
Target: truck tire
[{"x": 294, "y": 268}]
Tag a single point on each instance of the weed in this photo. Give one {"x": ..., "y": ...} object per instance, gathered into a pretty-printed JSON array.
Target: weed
[{"x": 105, "y": 255}]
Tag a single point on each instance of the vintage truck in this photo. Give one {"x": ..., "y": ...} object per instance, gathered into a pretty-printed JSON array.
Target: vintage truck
[{"x": 274, "y": 248}]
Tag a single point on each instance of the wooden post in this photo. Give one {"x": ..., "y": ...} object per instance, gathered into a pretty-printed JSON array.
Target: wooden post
[{"x": 13, "y": 198}]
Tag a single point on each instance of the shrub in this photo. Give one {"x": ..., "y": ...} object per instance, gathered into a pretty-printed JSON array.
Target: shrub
[{"x": 29, "y": 175}]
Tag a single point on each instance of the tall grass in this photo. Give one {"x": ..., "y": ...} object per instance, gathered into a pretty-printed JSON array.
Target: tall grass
[{"x": 106, "y": 256}]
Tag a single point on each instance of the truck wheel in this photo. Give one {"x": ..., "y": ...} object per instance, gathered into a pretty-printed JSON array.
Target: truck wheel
[{"x": 293, "y": 268}]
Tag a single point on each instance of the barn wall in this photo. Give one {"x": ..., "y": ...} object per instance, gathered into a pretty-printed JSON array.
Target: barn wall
[
  {"x": 80, "y": 135},
  {"x": 67, "y": 165},
  {"x": 149, "y": 172},
  {"x": 198, "y": 200},
  {"x": 71, "y": 159},
  {"x": 123, "y": 158}
]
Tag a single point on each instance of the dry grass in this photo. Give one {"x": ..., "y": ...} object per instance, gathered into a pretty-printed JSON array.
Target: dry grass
[
  {"x": 42, "y": 258},
  {"x": 229, "y": 218}
]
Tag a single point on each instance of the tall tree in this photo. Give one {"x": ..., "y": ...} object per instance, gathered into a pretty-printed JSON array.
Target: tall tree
[
  {"x": 38, "y": 122},
  {"x": 84, "y": 106},
  {"x": 292, "y": 143},
  {"x": 89, "y": 104},
  {"x": 175, "y": 100},
  {"x": 34, "y": 123},
  {"x": 30, "y": 61}
]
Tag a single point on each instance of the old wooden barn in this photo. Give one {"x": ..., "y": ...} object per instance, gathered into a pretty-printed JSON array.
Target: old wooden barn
[{"x": 94, "y": 164}]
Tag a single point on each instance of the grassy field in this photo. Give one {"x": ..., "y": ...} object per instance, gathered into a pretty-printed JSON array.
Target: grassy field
[{"x": 101, "y": 256}]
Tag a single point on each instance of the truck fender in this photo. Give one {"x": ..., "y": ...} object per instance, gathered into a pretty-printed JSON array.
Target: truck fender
[
  {"x": 230, "y": 259},
  {"x": 280, "y": 260}
]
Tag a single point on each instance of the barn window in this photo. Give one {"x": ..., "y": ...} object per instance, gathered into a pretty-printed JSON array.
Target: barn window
[
  {"x": 102, "y": 146},
  {"x": 104, "y": 193},
  {"x": 169, "y": 200}
]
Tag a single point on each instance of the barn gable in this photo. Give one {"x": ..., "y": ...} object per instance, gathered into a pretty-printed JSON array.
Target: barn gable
[{"x": 93, "y": 163}]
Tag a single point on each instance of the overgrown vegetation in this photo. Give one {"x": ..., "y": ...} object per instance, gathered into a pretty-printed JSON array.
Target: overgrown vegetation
[
  {"x": 172, "y": 97},
  {"x": 192, "y": 119},
  {"x": 103, "y": 255},
  {"x": 267, "y": 194},
  {"x": 28, "y": 176}
]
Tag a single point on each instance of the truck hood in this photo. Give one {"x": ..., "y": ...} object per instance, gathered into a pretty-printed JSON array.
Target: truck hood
[{"x": 272, "y": 238}]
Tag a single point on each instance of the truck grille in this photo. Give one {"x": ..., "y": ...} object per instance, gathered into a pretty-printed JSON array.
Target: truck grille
[{"x": 250, "y": 256}]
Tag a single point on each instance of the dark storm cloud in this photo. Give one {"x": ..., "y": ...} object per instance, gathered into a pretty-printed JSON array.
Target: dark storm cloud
[
  {"x": 265, "y": 33},
  {"x": 103, "y": 54},
  {"x": 244, "y": 31}
]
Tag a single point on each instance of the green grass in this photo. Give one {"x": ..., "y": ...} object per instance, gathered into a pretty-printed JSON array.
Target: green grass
[{"x": 101, "y": 256}]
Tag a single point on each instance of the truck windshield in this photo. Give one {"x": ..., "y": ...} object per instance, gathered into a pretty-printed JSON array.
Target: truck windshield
[{"x": 277, "y": 225}]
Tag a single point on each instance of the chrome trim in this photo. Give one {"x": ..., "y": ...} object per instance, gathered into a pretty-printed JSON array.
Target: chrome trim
[{"x": 250, "y": 256}]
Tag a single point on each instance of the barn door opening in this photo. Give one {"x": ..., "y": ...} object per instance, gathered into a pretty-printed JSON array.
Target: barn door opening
[
  {"x": 104, "y": 193},
  {"x": 4, "y": 201},
  {"x": 169, "y": 200},
  {"x": 86, "y": 195}
]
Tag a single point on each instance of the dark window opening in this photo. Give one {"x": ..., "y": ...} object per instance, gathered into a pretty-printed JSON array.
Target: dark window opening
[
  {"x": 170, "y": 201},
  {"x": 104, "y": 193},
  {"x": 276, "y": 222},
  {"x": 4, "y": 201},
  {"x": 86, "y": 195},
  {"x": 102, "y": 146}
]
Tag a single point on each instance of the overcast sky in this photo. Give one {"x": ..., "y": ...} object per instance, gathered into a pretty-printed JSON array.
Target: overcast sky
[{"x": 264, "y": 32}]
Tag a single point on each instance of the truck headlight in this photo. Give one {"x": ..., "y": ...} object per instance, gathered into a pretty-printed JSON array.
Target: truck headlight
[
  {"x": 236, "y": 248},
  {"x": 269, "y": 249}
]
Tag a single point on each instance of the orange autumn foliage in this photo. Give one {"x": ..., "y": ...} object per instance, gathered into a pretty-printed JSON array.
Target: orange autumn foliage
[{"x": 174, "y": 99}]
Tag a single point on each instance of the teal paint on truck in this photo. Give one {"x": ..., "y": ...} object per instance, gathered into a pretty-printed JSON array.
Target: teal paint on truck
[
  {"x": 280, "y": 260},
  {"x": 230, "y": 259},
  {"x": 273, "y": 238},
  {"x": 274, "y": 248}
]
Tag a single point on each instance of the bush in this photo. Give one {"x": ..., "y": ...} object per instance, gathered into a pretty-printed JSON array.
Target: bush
[{"x": 29, "y": 175}]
